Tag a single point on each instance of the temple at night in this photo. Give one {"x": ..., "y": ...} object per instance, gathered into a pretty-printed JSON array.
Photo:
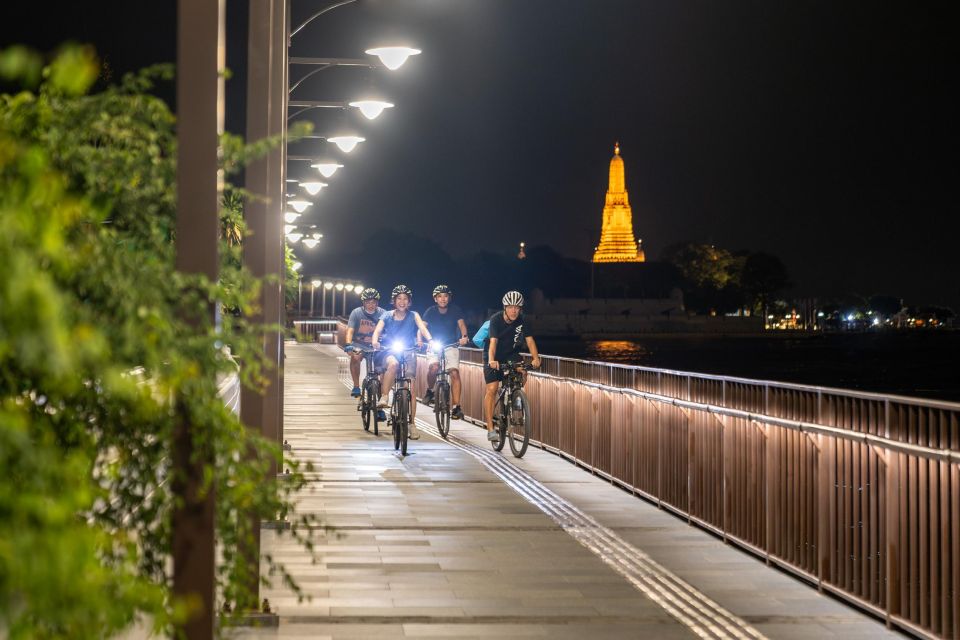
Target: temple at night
[{"x": 617, "y": 242}]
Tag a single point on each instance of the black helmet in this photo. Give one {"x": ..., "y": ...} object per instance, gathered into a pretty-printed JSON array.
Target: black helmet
[
  {"x": 369, "y": 294},
  {"x": 441, "y": 288},
  {"x": 401, "y": 288}
]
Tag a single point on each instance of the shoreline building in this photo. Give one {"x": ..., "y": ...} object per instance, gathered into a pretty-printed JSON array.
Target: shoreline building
[{"x": 617, "y": 242}]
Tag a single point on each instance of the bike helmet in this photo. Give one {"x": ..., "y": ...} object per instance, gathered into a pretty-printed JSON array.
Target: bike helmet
[
  {"x": 369, "y": 294},
  {"x": 511, "y": 298},
  {"x": 401, "y": 288},
  {"x": 441, "y": 288}
]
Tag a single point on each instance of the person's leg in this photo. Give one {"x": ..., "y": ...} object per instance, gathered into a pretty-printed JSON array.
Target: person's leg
[
  {"x": 389, "y": 375},
  {"x": 489, "y": 395},
  {"x": 355, "y": 358},
  {"x": 432, "y": 374},
  {"x": 412, "y": 374},
  {"x": 455, "y": 387}
]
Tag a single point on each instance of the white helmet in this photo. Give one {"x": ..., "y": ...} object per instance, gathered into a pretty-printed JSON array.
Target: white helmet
[{"x": 512, "y": 298}]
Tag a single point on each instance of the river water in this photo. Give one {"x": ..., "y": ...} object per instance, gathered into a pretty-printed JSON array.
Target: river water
[{"x": 911, "y": 363}]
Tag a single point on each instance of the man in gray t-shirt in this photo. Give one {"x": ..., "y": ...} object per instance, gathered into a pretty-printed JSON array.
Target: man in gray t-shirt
[{"x": 363, "y": 320}]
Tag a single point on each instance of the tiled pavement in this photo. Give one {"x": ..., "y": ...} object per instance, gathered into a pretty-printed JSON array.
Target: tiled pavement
[{"x": 436, "y": 545}]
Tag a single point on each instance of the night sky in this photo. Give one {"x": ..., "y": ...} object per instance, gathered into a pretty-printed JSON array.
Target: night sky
[{"x": 816, "y": 131}]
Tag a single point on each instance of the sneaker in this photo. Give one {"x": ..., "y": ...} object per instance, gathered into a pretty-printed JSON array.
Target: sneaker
[
  {"x": 355, "y": 392},
  {"x": 428, "y": 397},
  {"x": 457, "y": 413},
  {"x": 413, "y": 435},
  {"x": 493, "y": 436}
]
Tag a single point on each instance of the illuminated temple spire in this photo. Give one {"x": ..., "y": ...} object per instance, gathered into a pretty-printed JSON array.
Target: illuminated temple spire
[{"x": 617, "y": 243}]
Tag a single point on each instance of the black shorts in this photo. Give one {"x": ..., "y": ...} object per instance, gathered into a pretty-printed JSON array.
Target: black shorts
[{"x": 492, "y": 375}]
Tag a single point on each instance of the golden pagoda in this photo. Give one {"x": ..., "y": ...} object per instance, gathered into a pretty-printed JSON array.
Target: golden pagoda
[{"x": 617, "y": 243}]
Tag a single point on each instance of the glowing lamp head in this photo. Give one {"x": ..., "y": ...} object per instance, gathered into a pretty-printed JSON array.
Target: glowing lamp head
[
  {"x": 339, "y": 286},
  {"x": 346, "y": 143},
  {"x": 299, "y": 205},
  {"x": 357, "y": 288},
  {"x": 435, "y": 346},
  {"x": 291, "y": 217},
  {"x": 397, "y": 346},
  {"x": 316, "y": 283},
  {"x": 328, "y": 285},
  {"x": 310, "y": 243},
  {"x": 393, "y": 57},
  {"x": 313, "y": 188},
  {"x": 348, "y": 288},
  {"x": 327, "y": 169},
  {"x": 296, "y": 266},
  {"x": 294, "y": 237},
  {"x": 317, "y": 236},
  {"x": 288, "y": 229},
  {"x": 371, "y": 108}
]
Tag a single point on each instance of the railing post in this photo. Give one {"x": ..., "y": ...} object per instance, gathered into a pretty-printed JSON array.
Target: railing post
[{"x": 201, "y": 48}]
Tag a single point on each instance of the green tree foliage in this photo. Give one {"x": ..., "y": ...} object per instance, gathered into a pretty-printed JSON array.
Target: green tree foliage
[{"x": 93, "y": 352}]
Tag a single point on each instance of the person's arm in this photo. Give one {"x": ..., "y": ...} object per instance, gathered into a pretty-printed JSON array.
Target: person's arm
[
  {"x": 422, "y": 327},
  {"x": 463, "y": 332},
  {"x": 375, "y": 340},
  {"x": 349, "y": 339},
  {"x": 534, "y": 354},
  {"x": 492, "y": 353}
]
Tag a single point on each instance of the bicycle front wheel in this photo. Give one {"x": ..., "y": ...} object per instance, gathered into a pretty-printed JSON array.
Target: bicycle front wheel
[
  {"x": 365, "y": 410},
  {"x": 441, "y": 408},
  {"x": 518, "y": 427},
  {"x": 402, "y": 429},
  {"x": 499, "y": 424}
]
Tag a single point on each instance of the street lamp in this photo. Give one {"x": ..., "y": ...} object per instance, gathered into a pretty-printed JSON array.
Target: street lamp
[
  {"x": 333, "y": 300},
  {"x": 346, "y": 143},
  {"x": 290, "y": 217},
  {"x": 294, "y": 237},
  {"x": 327, "y": 169},
  {"x": 313, "y": 188},
  {"x": 300, "y": 205},
  {"x": 346, "y": 289},
  {"x": 393, "y": 57},
  {"x": 326, "y": 287},
  {"x": 315, "y": 283},
  {"x": 310, "y": 243},
  {"x": 371, "y": 108}
]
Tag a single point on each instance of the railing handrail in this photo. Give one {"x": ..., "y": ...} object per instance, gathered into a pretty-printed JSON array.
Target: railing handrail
[{"x": 930, "y": 403}]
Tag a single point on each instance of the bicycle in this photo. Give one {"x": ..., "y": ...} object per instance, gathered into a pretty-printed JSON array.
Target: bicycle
[
  {"x": 400, "y": 416},
  {"x": 511, "y": 411},
  {"x": 441, "y": 390},
  {"x": 369, "y": 392}
]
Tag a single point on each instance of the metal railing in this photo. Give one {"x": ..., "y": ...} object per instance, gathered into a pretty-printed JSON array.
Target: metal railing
[
  {"x": 858, "y": 493},
  {"x": 322, "y": 331}
]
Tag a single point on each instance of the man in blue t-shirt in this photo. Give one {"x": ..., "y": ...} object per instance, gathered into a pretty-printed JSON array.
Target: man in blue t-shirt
[
  {"x": 363, "y": 320},
  {"x": 446, "y": 323}
]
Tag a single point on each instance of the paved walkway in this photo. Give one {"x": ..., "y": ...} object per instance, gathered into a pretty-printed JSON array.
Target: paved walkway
[{"x": 457, "y": 541}]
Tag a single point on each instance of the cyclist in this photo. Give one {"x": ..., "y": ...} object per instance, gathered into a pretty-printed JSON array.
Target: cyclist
[
  {"x": 509, "y": 333},
  {"x": 446, "y": 323},
  {"x": 399, "y": 326},
  {"x": 363, "y": 320}
]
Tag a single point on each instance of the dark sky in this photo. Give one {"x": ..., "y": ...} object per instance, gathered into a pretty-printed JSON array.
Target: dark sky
[{"x": 817, "y": 131}]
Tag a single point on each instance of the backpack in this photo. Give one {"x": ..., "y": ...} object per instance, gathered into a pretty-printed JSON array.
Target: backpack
[{"x": 482, "y": 334}]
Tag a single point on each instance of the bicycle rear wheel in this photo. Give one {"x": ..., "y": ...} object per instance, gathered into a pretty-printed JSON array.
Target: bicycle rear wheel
[
  {"x": 519, "y": 424},
  {"x": 441, "y": 408}
]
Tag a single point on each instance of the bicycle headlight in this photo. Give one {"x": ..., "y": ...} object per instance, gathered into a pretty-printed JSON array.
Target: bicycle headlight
[
  {"x": 435, "y": 346},
  {"x": 397, "y": 346}
]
